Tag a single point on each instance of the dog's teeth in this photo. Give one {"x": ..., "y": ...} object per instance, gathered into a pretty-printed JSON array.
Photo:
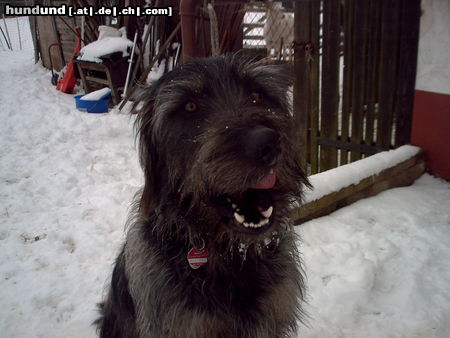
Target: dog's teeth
[
  {"x": 267, "y": 213},
  {"x": 262, "y": 223},
  {"x": 239, "y": 218}
]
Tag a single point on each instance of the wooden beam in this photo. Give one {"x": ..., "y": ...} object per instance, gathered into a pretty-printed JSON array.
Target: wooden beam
[
  {"x": 409, "y": 41},
  {"x": 306, "y": 55},
  {"x": 403, "y": 174},
  {"x": 330, "y": 82},
  {"x": 348, "y": 23}
]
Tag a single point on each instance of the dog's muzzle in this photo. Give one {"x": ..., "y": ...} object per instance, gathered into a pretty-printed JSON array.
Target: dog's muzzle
[
  {"x": 252, "y": 209},
  {"x": 261, "y": 146}
]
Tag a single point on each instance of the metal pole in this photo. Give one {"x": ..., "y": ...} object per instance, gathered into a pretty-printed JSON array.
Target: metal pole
[
  {"x": 6, "y": 39},
  {"x": 83, "y": 19},
  {"x": 7, "y": 33},
  {"x": 18, "y": 31},
  {"x": 130, "y": 61},
  {"x": 187, "y": 19}
]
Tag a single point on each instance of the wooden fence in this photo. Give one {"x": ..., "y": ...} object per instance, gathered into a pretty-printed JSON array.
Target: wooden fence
[{"x": 355, "y": 66}]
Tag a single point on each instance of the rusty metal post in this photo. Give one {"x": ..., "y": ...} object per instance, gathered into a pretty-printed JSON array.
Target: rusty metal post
[{"x": 187, "y": 18}]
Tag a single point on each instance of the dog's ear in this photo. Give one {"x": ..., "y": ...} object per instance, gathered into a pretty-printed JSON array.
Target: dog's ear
[{"x": 143, "y": 107}]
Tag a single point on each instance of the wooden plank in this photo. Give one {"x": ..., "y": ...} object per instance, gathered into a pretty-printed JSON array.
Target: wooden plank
[
  {"x": 34, "y": 35},
  {"x": 254, "y": 37},
  {"x": 359, "y": 66},
  {"x": 347, "y": 75},
  {"x": 388, "y": 71},
  {"x": 330, "y": 82},
  {"x": 98, "y": 80},
  {"x": 56, "y": 35},
  {"x": 372, "y": 69},
  {"x": 403, "y": 174},
  {"x": 47, "y": 36},
  {"x": 67, "y": 37},
  {"x": 253, "y": 25},
  {"x": 409, "y": 41},
  {"x": 302, "y": 54},
  {"x": 349, "y": 146},
  {"x": 87, "y": 88},
  {"x": 314, "y": 89}
]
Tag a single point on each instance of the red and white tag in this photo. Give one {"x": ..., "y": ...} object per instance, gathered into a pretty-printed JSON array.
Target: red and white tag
[{"x": 197, "y": 258}]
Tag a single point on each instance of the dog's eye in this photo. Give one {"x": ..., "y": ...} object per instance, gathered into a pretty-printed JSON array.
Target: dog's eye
[
  {"x": 256, "y": 97},
  {"x": 190, "y": 107}
]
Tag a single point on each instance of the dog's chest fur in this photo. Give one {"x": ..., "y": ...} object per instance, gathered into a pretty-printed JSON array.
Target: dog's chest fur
[{"x": 230, "y": 298}]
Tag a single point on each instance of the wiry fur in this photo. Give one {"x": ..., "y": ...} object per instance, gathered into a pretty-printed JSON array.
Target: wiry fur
[{"x": 252, "y": 285}]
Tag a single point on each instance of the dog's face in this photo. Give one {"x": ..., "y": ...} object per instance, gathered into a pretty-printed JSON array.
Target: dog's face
[{"x": 215, "y": 136}]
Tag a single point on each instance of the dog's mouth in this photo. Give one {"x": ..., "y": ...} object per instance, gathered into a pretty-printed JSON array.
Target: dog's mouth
[{"x": 251, "y": 211}]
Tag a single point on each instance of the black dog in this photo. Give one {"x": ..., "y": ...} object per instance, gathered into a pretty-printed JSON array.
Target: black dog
[{"x": 210, "y": 251}]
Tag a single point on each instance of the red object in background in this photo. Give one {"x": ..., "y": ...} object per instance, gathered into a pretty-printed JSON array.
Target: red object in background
[
  {"x": 431, "y": 130},
  {"x": 67, "y": 82}
]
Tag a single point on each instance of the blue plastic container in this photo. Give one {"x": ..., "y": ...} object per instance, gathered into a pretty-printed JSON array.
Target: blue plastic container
[{"x": 92, "y": 106}]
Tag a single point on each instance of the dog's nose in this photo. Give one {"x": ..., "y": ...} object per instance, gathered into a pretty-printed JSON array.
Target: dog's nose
[{"x": 262, "y": 145}]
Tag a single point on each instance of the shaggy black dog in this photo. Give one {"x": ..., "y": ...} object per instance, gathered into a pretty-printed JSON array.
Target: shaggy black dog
[{"x": 210, "y": 251}]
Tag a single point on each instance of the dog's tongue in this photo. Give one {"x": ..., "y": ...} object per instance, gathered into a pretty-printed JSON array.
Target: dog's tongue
[{"x": 267, "y": 182}]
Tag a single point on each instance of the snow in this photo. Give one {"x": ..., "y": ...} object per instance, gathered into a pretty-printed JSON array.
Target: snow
[
  {"x": 157, "y": 71},
  {"x": 108, "y": 31},
  {"x": 96, "y": 95},
  {"x": 381, "y": 267},
  {"x": 377, "y": 268},
  {"x": 334, "y": 180},
  {"x": 108, "y": 45}
]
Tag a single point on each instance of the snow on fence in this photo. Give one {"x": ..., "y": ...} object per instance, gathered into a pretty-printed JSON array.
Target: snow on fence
[{"x": 336, "y": 188}]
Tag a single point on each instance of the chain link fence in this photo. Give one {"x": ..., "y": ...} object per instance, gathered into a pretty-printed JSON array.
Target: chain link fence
[{"x": 269, "y": 28}]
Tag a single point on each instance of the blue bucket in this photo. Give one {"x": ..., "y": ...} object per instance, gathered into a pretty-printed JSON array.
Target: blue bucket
[{"x": 92, "y": 106}]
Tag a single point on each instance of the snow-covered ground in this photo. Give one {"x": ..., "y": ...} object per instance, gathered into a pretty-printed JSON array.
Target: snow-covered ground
[
  {"x": 381, "y": 267},
  {"x": 377, "y": 268}
]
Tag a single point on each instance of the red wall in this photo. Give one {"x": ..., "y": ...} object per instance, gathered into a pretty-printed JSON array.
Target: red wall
[{"x": 431, "y": 130}]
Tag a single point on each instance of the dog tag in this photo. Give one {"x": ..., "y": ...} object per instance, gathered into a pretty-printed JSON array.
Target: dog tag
[{"x": 197, "y": 258}]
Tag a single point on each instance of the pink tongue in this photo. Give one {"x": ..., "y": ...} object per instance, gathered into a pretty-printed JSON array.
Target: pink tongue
[{"x": 267, "y": 182}]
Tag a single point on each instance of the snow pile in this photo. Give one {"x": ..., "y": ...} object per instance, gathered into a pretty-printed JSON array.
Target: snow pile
[
  {"x": 334, "y": 180},
  {"x": 381, "y": 267},
  {"x": 378, "y": 268},
  {"x": 96, "y": 95},
  {"x": 108, "y": 45}
]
